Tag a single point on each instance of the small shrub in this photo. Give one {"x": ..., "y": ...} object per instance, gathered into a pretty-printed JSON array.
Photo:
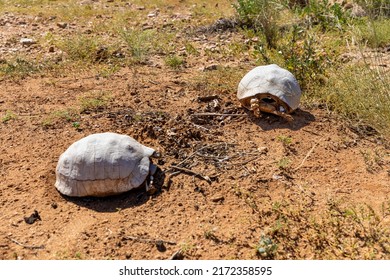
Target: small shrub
[
  {"x": 325, "y": 14},
  {"x": 260, "y": 15},
  {"x": 138, "y": 42},
  {"x": 174, "y": 61},
  {"x": 9, "y": 115},
  {"x": 94, "y": 101},
  {"x": 19, "y": 67},
  {"x": 67, "y": 115},
  {"x": 375, "y": 33},
  {"x": 375, "y": 8}
]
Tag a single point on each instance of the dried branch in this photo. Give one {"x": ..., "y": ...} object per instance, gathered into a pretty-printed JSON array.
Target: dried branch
[
  {"x": 308, "y": 154},
  {"x": 26, "y": 246},
  {"x": 185, "y": 170},
  {"x": 216, "y": 115},
  {"x": 147, "y": 240}
]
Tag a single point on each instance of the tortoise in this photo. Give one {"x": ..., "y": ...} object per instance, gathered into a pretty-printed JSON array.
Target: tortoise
[
  {"x": 270, "y": 89},
  {"x": 104, "y": 164}
]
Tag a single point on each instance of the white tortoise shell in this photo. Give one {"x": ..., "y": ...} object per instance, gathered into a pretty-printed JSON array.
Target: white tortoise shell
[
  {"x": 270, "y": 79},
  {"x": 102, "y": 164}
]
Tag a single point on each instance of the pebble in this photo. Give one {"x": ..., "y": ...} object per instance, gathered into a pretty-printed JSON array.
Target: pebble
[
  {"x": 217, "y": 198},
  {"x": 62, "y": 24},
  {"x": 27, "y": 41}
]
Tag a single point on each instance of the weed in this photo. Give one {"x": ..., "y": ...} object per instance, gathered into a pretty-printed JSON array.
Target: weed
[
  {"x": 94, "y": 101},
  {"x": 20, "y": 67},
  {"x": 283, "y": 163},
  {"x": 143, "y": 43},
  {"x": 67, "y": 115},
  {"x": 285, "y": 140},
  {"x": 174, "y": 61},
  {"x": 325, "y": 14},
  {"x": 375, "y": 8},
  {"x": 375, "y": 34},
  {"x": 266, "y": 247},
  {"x": 139, "y": 43},
  {"x": 220, "y": 81},
  {"x": 362, "y": 95},
  {"x": 9, "y": 115},
  {"x": 373, "y": 160},
  {"x": 260, "y": 15},
  {"x": 84, "y": 48},
  {"x": 78, "y": 256},
  {"x": 191, "y": 50}
]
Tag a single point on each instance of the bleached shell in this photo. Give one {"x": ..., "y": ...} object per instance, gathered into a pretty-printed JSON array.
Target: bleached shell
[
  {"x": 270, "y": 79},
  {"x": 102, "y": 164}
]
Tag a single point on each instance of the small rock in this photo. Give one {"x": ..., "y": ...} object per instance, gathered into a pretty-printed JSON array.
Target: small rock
[
  {"x": 27, "y": 41},
  {"x": 217, "y": 198},
  {"x": 51, "y": 49},
  {"x": 211, "y": 67},
  {"x": 62, "y": 24},
  {"x": 34, "y": 216}
]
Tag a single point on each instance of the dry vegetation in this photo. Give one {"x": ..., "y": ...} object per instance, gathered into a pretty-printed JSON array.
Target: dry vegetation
[{"x": 166, "y": 73}]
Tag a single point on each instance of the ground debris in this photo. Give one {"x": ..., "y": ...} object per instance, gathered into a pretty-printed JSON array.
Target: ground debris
[{"x": 33, "y": 218}]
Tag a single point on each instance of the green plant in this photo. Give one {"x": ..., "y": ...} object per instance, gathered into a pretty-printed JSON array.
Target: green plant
[
  {"x": 139, "y": 43},
  {"x": 68, "y": 115},
  {"x": 94, "y": 101},
  {"x": 375, "y": 8},
  {"x": 9, "y": 115},
  {"x": 375, "y": 34},
  {"x": 260, "y": 15},
  {"x": 362, "y": 96},
  {"x": 20, "y": 67},
  {"x": 283, "y": 163},
  {"x": 266, "y": 247},
  {"x": 174, "y": 61},
  {"x": 328, "y": 15},
  {"x": 285, "y": 140}
]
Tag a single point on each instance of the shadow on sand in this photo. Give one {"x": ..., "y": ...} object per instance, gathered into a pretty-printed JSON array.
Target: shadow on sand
[
  {"x": 129, "y": 199},
  {"x": 270, "y": 122}
]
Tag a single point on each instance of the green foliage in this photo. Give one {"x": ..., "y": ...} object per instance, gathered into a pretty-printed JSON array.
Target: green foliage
[
  {"x": 362, "y": 95},
  {"x": 84, "y": 48},
  {"x": 326, "y": 14},
  {"x": 94, "y": 101},
  {"x": 174, "y": 61},
  {"x": 19, "y": 67},
  {"x": 56, "y": 117},
  {"x": 139, "y": 43},
  {"x": 375, "y": 33},
  {"x": 266, "y": 248},
  {"x": 9, "y": 115},
  {"x": 375, "y": 8},
  {"x": 260, "y": 15}
]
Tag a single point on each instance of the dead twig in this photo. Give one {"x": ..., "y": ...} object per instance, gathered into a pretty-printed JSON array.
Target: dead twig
[
  {"x": 307, "y": 155},
  {"x": 185, "y": 170},
  {"x": 178, "y": 255},
  {"x": 26, "y": 246},
  {"x": 207, "y": 98},
  {"x": 216, "y": 115},
  {"x": 147, "y": 240}
]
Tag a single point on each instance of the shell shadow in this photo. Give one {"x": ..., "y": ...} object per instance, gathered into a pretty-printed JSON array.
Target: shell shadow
[
  {"x": 114, "y": 203},
  {"x": 267, "y": 122}
]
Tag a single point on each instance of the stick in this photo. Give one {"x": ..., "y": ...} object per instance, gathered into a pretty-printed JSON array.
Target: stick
[
  {"x": 192, "y": 172},
  {"x": 26, "y": 246},
  {"x": 216, "y": 115},
  {"x": 207, "y": 98},
  {"x": 178, "y": 255},
  {"x": 307, "y": 155},
  {"x": 146, "y": 240}
]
